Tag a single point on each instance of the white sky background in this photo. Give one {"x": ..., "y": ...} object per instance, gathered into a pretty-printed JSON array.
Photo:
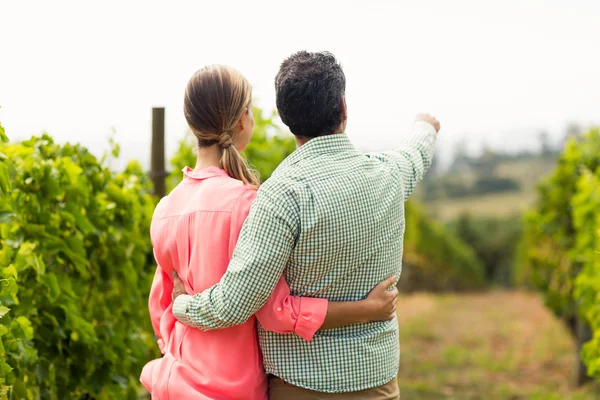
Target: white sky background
[{"x": 494, "y": 72}]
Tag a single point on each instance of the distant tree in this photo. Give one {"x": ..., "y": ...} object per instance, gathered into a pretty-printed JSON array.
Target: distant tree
[
  {"x": 465, "y": 230},
  {"x": 434, "y": 169},
  {"x": 460, "y": 158},
  {"x": 494, "y": 241},
  {"x": 572, "y": 130},
  {"x": 494, "y": 184},
  {"x": 546, "y": 148},
  {"x": 487, "y": 162}
]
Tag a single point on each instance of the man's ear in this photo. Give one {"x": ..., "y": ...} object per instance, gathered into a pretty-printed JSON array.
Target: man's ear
[{"x": 344, "y": 109}]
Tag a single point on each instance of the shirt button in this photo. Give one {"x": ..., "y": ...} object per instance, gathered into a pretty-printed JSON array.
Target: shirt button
[{"x": 278, "y": 308}]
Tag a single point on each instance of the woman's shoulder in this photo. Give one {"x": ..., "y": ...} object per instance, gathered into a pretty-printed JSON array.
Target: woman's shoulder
[
  {"x": 241, "y": 194},
  {"x": 232, "y": 187},
  {"x": 233, "y": 194},
  {"x": 219, "y": 194}
]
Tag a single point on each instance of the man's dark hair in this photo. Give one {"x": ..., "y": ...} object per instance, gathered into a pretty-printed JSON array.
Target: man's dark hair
[{"x": 309, "y": 88}]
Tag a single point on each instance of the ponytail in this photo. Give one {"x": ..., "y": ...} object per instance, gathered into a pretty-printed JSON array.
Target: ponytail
[{"x": 237, "y": 167}]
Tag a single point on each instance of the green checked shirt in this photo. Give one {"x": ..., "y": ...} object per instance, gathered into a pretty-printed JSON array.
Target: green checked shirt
[{"x": 331, "y": 219}]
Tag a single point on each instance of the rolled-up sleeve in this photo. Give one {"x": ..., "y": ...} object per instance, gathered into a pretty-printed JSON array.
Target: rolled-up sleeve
[
  {"x": 284, "y": 313},
  {"x": 180, "y": 309}
]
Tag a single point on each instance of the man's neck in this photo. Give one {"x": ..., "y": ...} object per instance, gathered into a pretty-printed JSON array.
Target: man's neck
[{"x": 301, "y": 140}]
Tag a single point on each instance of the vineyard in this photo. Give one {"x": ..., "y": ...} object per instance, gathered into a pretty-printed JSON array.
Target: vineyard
[
  {"x": 75, "y": 271},
  {"x": 559, "y": 254}
]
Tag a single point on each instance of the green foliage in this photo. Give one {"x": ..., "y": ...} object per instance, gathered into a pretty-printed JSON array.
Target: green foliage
[
  {"x": 269, "y": 146},
  {"x": 494, "y": 241},
  {"x": 3, "y": 137},
  {"x": 495, "y": 184},
  {"x": 549, "y": 234},
  {"x": 435, "y": 259},
  {"x": 558, "y": 254},
  {"x": 586, "y": 221},
  {"x": 75, "y": 269},
  {"x": 454, "y": 186},
  {"x": 185, "y": 156}
]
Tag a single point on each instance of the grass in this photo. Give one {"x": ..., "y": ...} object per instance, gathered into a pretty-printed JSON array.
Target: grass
[{"x": 495, "y": 345}]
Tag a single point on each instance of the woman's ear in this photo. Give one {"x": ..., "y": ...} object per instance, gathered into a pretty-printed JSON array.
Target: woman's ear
[{"x": 243, "y": 121}]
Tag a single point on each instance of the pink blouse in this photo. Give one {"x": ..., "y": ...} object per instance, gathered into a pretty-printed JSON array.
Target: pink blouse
[{"x": 194, "y": 232}]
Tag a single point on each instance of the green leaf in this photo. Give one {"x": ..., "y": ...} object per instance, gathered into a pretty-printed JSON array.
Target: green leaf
[
  {"x": 116, "y": 194},
  {"x": 39, "y": 264},
  {"x": 26, "y": 249},
  {"x": 5, "y": 186},
  {"x": 25, "y": 325},
  {"x": 34, "y": 229},
  {"x": 5, "y": 369},
  {"x": 10, "y": 271},
  {"x": 27, "y": 259},
  {"x": 51, "y": 282},
  {"x": 72, "y": 170},
  {"x": 3, "y": 137},
  {"x": 6, "y": 217},
  {"x": 9, "y": 288},
  {"x": 3, "y": 311}
]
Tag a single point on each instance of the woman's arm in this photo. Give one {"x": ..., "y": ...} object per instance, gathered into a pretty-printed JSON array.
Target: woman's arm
[
  {"x": 283, "y": 313},
  {"x": 304, "y": 316},
  {"x": 380, "y": 305},
  {"x": 159, "y": 300}
]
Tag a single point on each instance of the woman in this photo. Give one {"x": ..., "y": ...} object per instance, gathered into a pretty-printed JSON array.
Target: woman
[{"x": 194, "y": 232}]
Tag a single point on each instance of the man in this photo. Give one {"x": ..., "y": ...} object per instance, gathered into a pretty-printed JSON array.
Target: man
[{"x": 331, "y": 220}]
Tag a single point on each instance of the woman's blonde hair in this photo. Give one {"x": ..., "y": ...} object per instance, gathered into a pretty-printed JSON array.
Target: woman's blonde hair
[{"x": 215, "y": 99}]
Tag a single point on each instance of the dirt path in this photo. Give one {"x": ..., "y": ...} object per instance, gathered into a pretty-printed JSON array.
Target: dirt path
[{"x": 495, "y": 345}]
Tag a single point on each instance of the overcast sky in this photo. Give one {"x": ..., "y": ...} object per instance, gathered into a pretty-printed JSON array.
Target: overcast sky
[{"x": 494, "y": 72}]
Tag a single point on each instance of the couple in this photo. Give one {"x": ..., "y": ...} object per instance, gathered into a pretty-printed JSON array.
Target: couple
[{"x": 311, "y": 255}]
